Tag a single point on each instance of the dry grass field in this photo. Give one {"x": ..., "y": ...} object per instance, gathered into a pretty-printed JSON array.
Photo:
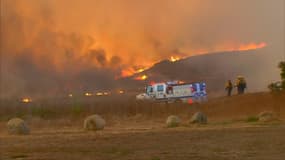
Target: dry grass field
[{"x": 136, "y": 130}]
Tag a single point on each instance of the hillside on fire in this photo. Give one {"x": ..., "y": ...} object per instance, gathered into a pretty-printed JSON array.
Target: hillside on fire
[
  {"x": 142, "y": 79},
  {"x": 257, "y": 66},
  {"x": 53, "y": 48}
]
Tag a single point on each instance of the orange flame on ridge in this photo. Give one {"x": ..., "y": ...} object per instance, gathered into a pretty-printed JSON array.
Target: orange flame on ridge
[
  {"x": 251, "y": 46},
  {"x": 141, "y": 78},
  {"x": 241, "y": 47},
  {"x": 130, "y": 71},
  {"x": 174, "y": 58},
  {"x": 226, "y": 48}
]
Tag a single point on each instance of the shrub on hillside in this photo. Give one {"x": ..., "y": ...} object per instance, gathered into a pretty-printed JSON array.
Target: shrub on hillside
[
  {"x": 278, "y": 86},
  {"x": 266, "y": 116}
]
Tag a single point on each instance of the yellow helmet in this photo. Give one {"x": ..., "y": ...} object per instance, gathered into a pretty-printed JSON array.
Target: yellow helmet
[{"x": 239, "y": 77}]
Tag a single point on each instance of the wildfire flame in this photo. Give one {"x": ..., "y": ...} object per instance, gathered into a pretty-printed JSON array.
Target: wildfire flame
[
  {"x": 26, "y": 100},
  {"x": 174, "y": 58},
  {"x": 251, "y": 46},
  {"x": 99, "y": 94},
  {"x": 88, "y": 94},
  {"x": 228, "y": 47},
  {"x": 140, "y": 70},
  {"x": 130, "y": 71},
  {"x": 141, "y": 78}
]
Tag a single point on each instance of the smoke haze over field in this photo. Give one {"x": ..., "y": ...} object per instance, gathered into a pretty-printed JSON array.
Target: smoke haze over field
[{"x": 51, "y": 45}]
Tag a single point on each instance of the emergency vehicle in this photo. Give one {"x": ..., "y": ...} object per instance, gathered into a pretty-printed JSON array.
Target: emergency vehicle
[{"x": 175, "y": 91}]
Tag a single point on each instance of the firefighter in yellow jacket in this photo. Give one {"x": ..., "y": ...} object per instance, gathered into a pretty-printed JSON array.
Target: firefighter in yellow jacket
[
  {"x": 240, "y": 84},
  {"x": 229, "y": 87}
]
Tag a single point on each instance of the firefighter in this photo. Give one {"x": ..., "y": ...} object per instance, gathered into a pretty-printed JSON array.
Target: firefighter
[
  {"x": 240, "y": 84},
  {"x": 229, "y": 87}
]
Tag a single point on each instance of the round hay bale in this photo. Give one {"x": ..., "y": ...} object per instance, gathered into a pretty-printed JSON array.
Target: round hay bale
[
  {"x": 199, "y": 118},
  {"x": 266, "y": 116},
  {"x": 17, "y": 126},
  {"x": 173, "y": 121},
  {"x": 94, "y": 122}
]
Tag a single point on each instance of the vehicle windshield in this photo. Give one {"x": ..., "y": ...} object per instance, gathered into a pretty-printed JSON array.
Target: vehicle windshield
[
  {"x": 149, "y": 89},
  {"x": 160, "y": 88}
]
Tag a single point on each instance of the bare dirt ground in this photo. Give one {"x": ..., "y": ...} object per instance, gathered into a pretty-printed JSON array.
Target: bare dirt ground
[
  {"x": 213, "y": 141},
  {"x": 232, "y": 133}
]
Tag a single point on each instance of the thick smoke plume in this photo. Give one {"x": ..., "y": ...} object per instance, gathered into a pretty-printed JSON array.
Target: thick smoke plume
[{"x": 55, "y": 46}]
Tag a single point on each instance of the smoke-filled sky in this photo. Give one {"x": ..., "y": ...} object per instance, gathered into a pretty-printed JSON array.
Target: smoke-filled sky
[{"x": 50, "y": 45}]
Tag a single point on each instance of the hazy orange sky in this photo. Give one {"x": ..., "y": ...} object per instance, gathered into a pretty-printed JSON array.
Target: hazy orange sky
[{"x": 66, "y": 36}]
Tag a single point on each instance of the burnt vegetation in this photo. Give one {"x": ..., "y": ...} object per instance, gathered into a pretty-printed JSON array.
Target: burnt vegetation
[{"x": 239, "y": 106}]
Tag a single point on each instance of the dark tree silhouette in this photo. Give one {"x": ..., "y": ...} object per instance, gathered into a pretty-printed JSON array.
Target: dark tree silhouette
[
  {"x": 282, "y": 74},
  {"x": 277, "y": 86}
]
